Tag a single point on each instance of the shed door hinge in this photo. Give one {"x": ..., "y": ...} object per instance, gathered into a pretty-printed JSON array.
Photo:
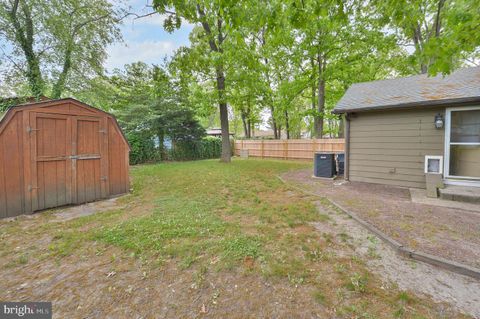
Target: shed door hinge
[
  {"x": 103, "y": 131},
  {"x": 103, "y": 178}
]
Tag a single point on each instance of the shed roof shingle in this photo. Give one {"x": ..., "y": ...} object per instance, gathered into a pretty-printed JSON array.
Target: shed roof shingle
[{"x": 461, "y": 85}]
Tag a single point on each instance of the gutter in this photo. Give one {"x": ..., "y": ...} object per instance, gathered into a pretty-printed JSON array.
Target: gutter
[{"x": 430, "y": 103}]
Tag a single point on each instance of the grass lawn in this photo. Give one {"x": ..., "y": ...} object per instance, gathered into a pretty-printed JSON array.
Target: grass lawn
[{"x": 199, "y": 239}]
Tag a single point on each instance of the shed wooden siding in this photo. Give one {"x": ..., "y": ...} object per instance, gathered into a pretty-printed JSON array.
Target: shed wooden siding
[
  {"x": 389, "y": 147},
  {"x": 11, "y": 167},
  {"x": 119, "y": 164},
  {"x": 59, "y": 152}
]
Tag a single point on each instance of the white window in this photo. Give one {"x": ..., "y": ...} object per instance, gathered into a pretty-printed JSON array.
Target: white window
[{"x": 462, "y": 143}]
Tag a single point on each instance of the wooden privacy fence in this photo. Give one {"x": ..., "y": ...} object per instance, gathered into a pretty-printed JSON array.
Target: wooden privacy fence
[{"x": 289, "y": 149}]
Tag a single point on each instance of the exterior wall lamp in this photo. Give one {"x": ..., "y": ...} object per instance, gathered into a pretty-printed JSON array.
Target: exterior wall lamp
[{"x": 439, "y": 121}]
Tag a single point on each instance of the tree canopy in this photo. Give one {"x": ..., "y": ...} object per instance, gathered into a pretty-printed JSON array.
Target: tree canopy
[{"x": 250, "y": 65}]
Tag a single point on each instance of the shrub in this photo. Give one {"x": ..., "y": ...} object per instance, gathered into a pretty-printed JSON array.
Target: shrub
[
  {"x": 207, "y": 147},
  {"x": 142, "y": 148}
]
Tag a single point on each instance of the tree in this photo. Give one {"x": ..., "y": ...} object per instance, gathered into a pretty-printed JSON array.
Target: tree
[
  {"x": 218, "y": 19},
  {"x": 443, "y": 33},
  {"x": 150, "y": 104},
  {"x": 327, "y": 46},
  {"x": 56, "y": 41}
]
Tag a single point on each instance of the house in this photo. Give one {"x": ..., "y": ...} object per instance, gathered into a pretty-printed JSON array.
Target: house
[
  {"x": 216, "y": 132},
  {"x": 394, "y": 126},
  {"x": 59, "y": 152}
]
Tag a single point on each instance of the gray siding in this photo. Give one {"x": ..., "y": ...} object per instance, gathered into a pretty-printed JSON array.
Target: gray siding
[{"x": 389, "y": 147}]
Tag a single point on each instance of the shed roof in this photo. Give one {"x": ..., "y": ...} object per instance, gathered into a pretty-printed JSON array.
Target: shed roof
[
  {"x": 45, "y": 103},
  {"x": 463, "y": 85}
]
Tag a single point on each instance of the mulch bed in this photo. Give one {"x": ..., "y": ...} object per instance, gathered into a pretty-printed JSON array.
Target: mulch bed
[{"x": 445, "y": 232}]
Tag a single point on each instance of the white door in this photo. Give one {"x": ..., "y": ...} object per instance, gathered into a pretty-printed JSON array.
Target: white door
[{"x": 462, "y": 145}]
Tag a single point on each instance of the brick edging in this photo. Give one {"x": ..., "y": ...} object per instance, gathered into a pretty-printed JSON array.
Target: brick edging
[{"x": 450, "y": 265}]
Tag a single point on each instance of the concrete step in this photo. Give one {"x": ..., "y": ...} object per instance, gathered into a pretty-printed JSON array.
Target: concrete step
[{"x": 467, "y": 194}]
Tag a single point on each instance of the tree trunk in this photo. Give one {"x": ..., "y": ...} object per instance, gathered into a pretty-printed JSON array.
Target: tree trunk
[
  {"x": 418, "y": 42},
  {"x": 267, "y": 75},
  {"x": 24, "y": 35},
  {"x": 314, "y": 97},
  {"x": 62, "y": 78},
  {"x": 318, "y": 122},
  {"x": 314, "y": 108},
  {"x": 274, "y": 123},
  {"x": 287, "y": 125},
  {"x": 215, "y": 46},
  {"x": 246, "y": 128},
  {"x": 222, "y": 104},
  {"x": 438, "y": 18}
]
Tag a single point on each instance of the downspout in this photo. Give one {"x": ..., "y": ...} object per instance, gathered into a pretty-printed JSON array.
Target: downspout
[{"x": 347, "y": 147}]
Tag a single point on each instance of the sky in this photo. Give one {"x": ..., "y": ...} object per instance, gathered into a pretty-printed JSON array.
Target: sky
[{"x": 145, "y": 39}]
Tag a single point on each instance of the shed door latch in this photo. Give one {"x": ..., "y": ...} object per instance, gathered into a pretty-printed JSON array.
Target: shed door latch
[
  {"x": 30, "y": 130},
  {"x": 30, "y": 188}
]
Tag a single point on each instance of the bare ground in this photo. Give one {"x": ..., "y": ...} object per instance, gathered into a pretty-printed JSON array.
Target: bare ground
[
  {"x": 440, "y": 285},
  {"x": 446, "y": 232},
  {"x": 99, "y": 287}
]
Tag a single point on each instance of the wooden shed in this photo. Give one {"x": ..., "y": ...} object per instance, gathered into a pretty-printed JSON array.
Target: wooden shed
[{"x": 59, "y": 152}]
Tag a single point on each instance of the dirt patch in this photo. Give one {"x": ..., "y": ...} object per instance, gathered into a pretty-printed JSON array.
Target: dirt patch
[
  {"x": 442, "y": 286},
  {"x": 114, "y": 285},
  {"x": 86, "y": 209},
  {"x": 446, "y": 232}
]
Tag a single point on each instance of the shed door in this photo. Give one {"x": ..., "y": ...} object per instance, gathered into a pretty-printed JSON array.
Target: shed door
[
  {"x": 67, "y": 160},
  {"x": 51, "y": 141},
  {"x": 88, "y": 175}
]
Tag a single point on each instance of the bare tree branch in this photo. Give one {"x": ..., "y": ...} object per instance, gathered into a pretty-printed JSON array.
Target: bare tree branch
[{"x": 15, "y": 8}]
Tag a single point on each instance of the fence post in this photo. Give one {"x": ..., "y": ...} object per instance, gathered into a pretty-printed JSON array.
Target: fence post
[
  {"x": 285, "y": 149},
  {"x": 262, "y": 149}
]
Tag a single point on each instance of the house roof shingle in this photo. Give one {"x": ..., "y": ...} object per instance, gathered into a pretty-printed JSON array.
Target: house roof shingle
[{"x": 460, "y": 86}]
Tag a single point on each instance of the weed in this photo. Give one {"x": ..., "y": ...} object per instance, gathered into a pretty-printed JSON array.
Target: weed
[
  {"x": 357, "y": 283},
  {"x": 239, "y": 247},
  {"x": 23, "y": 259},
  {"x": 319, "y": 297},
  {"x": 199, "y": 277},
  {"x": 340, "y": 268},
  {"x": 344, "y": 237}
]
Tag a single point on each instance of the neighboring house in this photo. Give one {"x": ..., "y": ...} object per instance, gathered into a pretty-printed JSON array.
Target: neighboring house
[
  {"x": 268, "y": 134},
  {"x": 392, "y": 125},
  {"x": 216, "y": 132}
]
